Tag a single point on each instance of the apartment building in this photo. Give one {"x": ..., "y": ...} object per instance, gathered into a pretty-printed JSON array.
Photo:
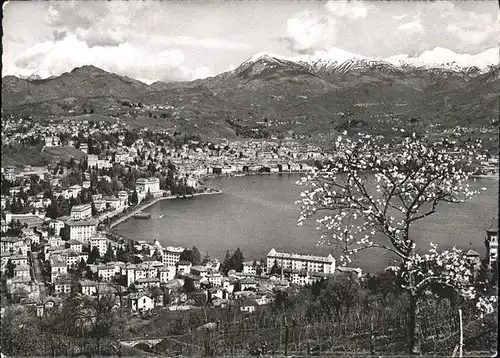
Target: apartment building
[
  {"x": 171, "y": 255},
  {"x": 250, "y": 268},
  {"x": 101, "y": 243},
  {"x": 58, "y": 268},
  {"x": 141, "y": 271},
  {"x": 166, "y": 273},
  {"x": 81, "y": 212},
  {"x": 81, "y": 230},
  {"x": 106, "y": 272}
]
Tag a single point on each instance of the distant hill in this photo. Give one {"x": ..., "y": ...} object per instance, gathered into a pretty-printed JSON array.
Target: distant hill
[
  {"x": 86, "y": 81},
  {"x": 325, "y": 94}
]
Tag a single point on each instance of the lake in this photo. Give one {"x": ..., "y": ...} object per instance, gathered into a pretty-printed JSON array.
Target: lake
[{"x": 257, "y": 213}]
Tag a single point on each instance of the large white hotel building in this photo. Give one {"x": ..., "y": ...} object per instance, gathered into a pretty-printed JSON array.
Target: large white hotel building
[
  {"x": 310, "y": 263},
  {"x": 171, "y": 255}
]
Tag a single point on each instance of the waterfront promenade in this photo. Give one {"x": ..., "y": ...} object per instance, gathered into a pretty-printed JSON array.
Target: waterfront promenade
[{"x": 155, "y": 200}]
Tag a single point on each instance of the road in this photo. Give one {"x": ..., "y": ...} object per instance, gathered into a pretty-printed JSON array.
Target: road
[{"x": 36, "y": 273}]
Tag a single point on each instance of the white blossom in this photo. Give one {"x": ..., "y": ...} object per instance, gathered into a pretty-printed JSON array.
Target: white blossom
[{"x": 410, "y": 179}]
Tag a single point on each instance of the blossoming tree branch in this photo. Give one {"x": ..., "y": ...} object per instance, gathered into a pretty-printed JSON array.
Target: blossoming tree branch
[{"x": 373, "y": 193}]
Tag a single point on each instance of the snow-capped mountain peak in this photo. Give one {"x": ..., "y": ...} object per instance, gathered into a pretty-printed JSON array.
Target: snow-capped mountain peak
[
  {"x": 264, "y": 63},
  {"x": 37, "y": 75},
  {"x": 445, "y": 58},
  {"x": 341, "y": 61},
  {"x": 263, "y": 56}
]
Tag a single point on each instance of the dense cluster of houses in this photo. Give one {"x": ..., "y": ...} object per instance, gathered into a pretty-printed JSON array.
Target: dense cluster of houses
[
  {"x": 44, "y": 265},
  {"x": 40, "y": 263}
]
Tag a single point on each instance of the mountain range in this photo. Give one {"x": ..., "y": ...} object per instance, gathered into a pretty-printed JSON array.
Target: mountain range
[{"x": 318, "y": 89}]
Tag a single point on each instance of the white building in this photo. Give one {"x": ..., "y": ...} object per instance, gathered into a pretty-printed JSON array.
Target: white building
[
  {"x": 82, "y": 230},
  {"x": 141, "y": 271},
  {"x": 74, "y": 190},
  {"x": 215, "y": 279},
  {"x": 18, "y": 260},
  {"x": 89, "y": 288},
  {"x": 62, "y": 285},
  {"x": 101, "y": 243},
  {"x": 55, "y": 241},
  {"x": 75, "y": 245},
  {"x": 171, "y": 255},
  {"x": 74, "y": 258},
  {"x": 301, "y": 262},
  {"x": 183, "y": 267},
  {"x": 84, "y": 147},
  {"x": 247, "y": 305},
  {"x": 123, "y": 196},
  {"x": 5, "y": 226},
  {"x": 58, "y": 268},
  {"x": 81, "y": 212},
  {"x": 250, "y": 268},
  {"x": 192, "y": 181},
  {"x": 166, "y": 273},
  {"x": 100, "y": 205},
  {"x": 56, "y": 226},
  {"x": 491, "y": 243},
  {"x": 52, "y": 141},
  {"x": 106, "y": 272},
  {"x": 22, "y": 271},
  {"x": 140, "y": 302},
  {"x": 148, "y": 184},
  {"x": 92, "y": 160}
]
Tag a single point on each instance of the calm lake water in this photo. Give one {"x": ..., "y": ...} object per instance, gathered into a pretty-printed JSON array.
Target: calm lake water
[{"x": 257, "y": 213}]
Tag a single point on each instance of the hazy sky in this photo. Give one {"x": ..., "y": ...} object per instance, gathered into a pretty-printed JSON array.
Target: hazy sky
[{"x": 191, "y": 39}]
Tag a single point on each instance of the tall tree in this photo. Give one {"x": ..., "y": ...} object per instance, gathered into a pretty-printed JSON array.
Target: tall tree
[
  {"x": 109, "y": 255},
  {"x": 81, "y": 266},
  {"x": 408, "y": 181},
  {"x": 226, "y": 264},
  {"x": 134, "y": 200},
  {"x": 93, "y": 208},
  {"x": 275, "y": 269},
  {"x": 157, "y": 255},
  {"x": 206, "y": 259},
  {"x": 186, "y": 255},
  {"x": 10, "y": 268},
  {"x": 189, "y": 285},
  {"x": 93, "y": 255},
  {"x": 120, "y": 254},
  {"x": 237, "y": 260},
  {"x": 196, "y": 256}
]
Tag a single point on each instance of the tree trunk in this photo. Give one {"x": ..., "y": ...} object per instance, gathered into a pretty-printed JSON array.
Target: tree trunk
[{"x": 414, "y": 326}]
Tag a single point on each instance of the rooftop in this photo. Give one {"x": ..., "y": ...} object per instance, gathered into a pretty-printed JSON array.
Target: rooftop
[
  {"x": 305, "y": 257},
  {"x": 79, "y": 208},
  {"x": 174, "y": 249},
  {"x": 74, "y": 242},
  {"x": 184, "y": 263},
  {"x": 472, "y": 253},
  {"x": 90, "y": 222},
  {"x": 22, "y": 268}
]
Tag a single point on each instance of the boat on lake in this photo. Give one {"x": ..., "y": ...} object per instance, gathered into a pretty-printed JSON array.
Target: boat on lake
[
  {"x": 159, "y": 217},
  {"x": 488, "y": 175},
  {"x": 142, "y": 216}
]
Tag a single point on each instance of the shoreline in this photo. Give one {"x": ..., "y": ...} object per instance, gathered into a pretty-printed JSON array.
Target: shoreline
[
  {"x": 237, "y": 175},
  {"x": 483, "y": 176},
  {"x": 154, "y": 201}
]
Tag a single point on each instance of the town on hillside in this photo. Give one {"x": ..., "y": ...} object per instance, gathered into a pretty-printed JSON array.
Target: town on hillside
[
  {"x": 249, "y": 179},
  {"x": 57, "y": 240}
]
